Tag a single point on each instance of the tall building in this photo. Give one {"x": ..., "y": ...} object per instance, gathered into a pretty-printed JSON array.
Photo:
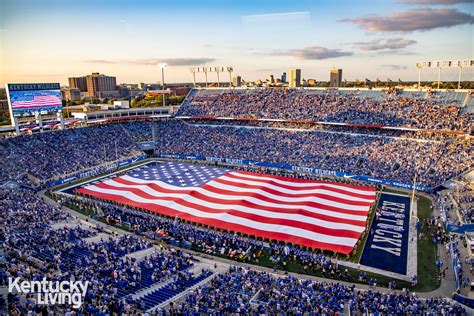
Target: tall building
[
  {"x": 99, "y": 85},
  {"x": 283, "y": 77},
  {"x": 271, "y": 79},
  {"x": 335, "y": 79},
  {"x": 294, "y": 78},
  {"x": 78, "y": 83},
  {"x": 237, "y": 81},
  {"x": 71, "y": 94}
]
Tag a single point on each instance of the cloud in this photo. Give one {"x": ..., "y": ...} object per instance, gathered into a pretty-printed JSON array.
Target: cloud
[
  {"x": 395, "y": 67},
  {"x": 434, "y": 2},
  {"x": 155, "y": 61},
  {"x": 100, "y": 61},
  {"x": 413, "y": 20},
  {"x": 314, "y": 52},
  {"x": 396, "y": 52},
  {"x": 388, "y": 44}
]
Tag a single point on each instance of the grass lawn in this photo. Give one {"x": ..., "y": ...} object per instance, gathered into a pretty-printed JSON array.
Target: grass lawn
[{"x": 427, "y": 252}]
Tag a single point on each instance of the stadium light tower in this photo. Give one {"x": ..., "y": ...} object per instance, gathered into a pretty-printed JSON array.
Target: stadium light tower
[
  {"x": 206, "y": 70},
  {"x": 163, "y": 66},
  {"x": 460, "y": 64}
]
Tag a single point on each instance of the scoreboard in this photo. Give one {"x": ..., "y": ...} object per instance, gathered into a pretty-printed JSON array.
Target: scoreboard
[{"x": 33, "y": 99}]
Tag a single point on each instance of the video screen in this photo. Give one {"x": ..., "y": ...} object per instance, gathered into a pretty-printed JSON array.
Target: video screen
[{"x": 32, "y": 99}]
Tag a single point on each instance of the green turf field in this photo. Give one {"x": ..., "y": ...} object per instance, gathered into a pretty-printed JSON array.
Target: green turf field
[{"x": 427, "y": 272}]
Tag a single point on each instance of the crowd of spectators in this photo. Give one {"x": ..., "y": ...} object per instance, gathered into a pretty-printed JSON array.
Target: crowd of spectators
[
  {"x": 52, "y": 154},
  {"x": 44, "y": 156},
  {"x": 402, "y": 303},
  {"x": 38, "y": 243},
  {"x": 386, "y": 158},
  {"x": 246, "y": 291},
  {"x": 461, "y": 274},
  {"x": 457, "y": 203},
  {"x": 462, "y": 199},
  {"x": 330, "y": 106}
]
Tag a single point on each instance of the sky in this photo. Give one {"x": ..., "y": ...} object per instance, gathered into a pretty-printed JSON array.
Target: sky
[{"x": 49, "y": 41}]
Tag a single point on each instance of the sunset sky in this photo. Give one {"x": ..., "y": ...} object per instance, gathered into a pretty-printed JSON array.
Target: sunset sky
[{"x": 49, "y": 41}]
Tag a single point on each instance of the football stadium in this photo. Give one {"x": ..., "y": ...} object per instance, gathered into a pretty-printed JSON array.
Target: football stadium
[{"x": 281, "y": 197}]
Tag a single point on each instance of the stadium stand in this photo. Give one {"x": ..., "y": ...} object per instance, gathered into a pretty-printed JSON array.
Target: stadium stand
[
  {"x": 34, "y": 248},
  {"x": 374, "y": 156},
  {"x": 414, "y": 109},
  {"x": 246, "y": 291},
  {"x": 56, "y": 153}
]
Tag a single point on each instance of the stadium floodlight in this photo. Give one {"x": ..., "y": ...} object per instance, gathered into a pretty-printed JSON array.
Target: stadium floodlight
[
  {"x": 163, "y": 66},
  {"x": 444, "y": 64},
  {"x": 217, "y": 70}
]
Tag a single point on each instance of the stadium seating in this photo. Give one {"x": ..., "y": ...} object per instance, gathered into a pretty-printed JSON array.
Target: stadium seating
[
  {"x": 415, "y": 109},
  {"x": 32, "y": 246},
  {"x": 56, "y": 153},
  {"x": 182, "y": 282},
  {"x": 386, "y": 158},
  {"x": 232, "y": 293}
]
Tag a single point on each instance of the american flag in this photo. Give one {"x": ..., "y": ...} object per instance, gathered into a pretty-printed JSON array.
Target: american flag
[
  {"x": 34, "y": 101},
  {"x": 317, "y": 214}
]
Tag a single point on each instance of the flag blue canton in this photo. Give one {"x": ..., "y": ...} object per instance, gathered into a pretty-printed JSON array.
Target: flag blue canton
[{"x": 178, "y": 173}]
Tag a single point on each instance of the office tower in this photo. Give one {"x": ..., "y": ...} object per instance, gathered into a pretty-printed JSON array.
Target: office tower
[
  {"x": 294, "y": 78},
  {"x": 335, "y": 79}
]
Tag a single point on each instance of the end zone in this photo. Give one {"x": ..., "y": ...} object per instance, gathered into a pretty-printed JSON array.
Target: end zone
[{"x": 387, "y": 246}]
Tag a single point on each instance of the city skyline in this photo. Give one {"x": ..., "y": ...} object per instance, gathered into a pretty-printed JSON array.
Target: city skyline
[{"x": 50, "y": 41}]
